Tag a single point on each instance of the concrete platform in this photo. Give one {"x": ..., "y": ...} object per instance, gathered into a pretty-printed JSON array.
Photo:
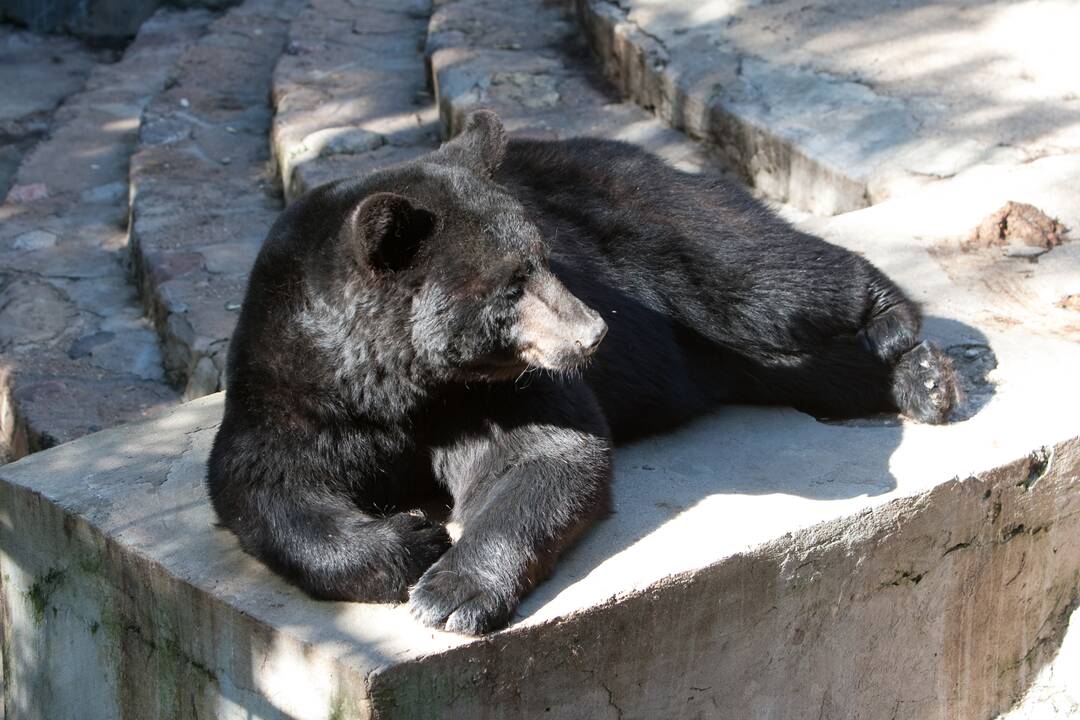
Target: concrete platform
[
  {"x": 834, "y": 106},
  {"x": 760, "y": 563}
]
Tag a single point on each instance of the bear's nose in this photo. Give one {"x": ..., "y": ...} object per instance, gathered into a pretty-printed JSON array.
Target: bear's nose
[{"x": 593, "y": 336}]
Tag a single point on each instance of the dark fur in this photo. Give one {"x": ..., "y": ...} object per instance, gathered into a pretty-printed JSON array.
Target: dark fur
[{"x": 388, "y": 351}]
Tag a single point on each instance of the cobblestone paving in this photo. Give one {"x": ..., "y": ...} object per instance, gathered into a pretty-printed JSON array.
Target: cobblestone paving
[
  {"x": 527, "y": 61},
  {"x": 76, "y": 354}
]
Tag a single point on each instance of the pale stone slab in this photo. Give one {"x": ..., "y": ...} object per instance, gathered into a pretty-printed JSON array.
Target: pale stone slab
[{"x": 834, "y": 106}]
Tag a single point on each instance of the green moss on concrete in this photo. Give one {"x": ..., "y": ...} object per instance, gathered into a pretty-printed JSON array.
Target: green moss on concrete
[
  {"x": 337, "y": 709},
  {"x": 41, "y": 591}
]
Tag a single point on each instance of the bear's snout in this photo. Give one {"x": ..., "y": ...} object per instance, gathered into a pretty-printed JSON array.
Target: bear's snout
[
  {"x": 557, "y": 331},
  {"x": 593, "y": 334}
]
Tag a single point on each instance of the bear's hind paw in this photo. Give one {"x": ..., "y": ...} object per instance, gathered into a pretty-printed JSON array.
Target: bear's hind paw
[{"x": 924, "y": 384}]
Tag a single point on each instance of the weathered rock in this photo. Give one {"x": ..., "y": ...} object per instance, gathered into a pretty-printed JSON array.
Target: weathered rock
[
  {"x": 103, "y": 21},
  {"x": 202, "y": 196},
  {"x": 78, "y": 355},
  {"x": 349, "y": 92},
  {"x": 1017, "y": 226},
  {"x": 834, "y": 106}
]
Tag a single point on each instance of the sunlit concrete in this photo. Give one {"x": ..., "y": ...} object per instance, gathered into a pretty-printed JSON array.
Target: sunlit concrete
[{"x": 834, "y": 106}]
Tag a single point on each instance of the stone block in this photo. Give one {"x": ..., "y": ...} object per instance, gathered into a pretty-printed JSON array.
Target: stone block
[{"x": 838, "y": 106}]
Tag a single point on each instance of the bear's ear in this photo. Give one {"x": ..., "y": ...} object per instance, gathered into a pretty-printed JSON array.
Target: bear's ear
[
  {"x": 389, "y": 230},
  {"x": 479, "y": 147}
]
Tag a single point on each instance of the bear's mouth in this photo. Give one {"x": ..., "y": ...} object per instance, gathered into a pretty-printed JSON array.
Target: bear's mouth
[
  {"x": 493, "y": 369},
  {"x": 562, "y": 360}
]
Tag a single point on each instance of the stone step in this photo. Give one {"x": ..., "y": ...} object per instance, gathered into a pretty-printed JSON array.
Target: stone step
[
  {"x": 37, "y": 73},
  {"x": 835, "y": 106},
  {"x": 76, "y": 354},
  {"x": 203, "y": 194},
  {"x": 526, "y": 61},
  {"x": 350, "y": 92}
]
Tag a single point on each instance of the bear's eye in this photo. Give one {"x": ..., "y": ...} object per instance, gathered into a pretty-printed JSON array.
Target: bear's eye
[
  {"x": 516, "y": 287},
  {"x": 514, "y": 291}
]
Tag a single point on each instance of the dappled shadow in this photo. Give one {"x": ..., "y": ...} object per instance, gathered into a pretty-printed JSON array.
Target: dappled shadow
[{"x": 885, "y": 88}]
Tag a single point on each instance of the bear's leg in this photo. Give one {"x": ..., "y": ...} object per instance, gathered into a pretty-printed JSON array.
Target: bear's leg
[
  {"x": 335, "y": 552},
  {"x": 881, "y": 367},
  {"x": 521, "y": 496},
  {"x": 857, "y": 354}
]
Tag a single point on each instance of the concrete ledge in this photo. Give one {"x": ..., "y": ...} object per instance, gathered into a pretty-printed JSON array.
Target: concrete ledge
[
  {"x": 759, "y": 564},
  {"x": 837, "y": 106}
]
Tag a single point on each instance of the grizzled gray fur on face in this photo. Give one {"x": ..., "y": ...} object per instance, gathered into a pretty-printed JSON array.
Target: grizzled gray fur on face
[{"x": 478, "y": 328}]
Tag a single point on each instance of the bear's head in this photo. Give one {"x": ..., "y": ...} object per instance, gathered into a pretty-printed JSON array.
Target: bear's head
[{"x": 435, "y": 254}]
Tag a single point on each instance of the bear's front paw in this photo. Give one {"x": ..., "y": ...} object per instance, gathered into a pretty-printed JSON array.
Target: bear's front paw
[
  {"x": 423, "y": 542},
  {"x": 452, "y": 597}
]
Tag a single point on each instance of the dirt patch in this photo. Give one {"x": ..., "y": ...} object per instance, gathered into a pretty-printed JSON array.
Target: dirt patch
[{"x": 1020, "y": 229}]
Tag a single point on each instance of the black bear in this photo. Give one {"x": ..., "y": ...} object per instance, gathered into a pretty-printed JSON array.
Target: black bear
[{"x": 480, "y": 326}]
